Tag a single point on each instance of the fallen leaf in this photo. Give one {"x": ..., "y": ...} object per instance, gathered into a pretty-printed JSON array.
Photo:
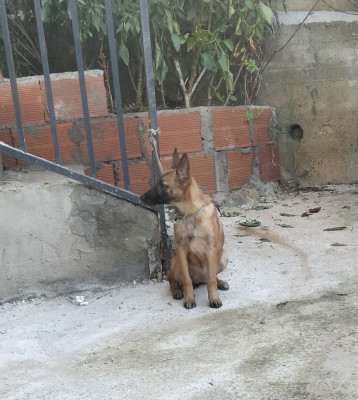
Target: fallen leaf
[
  {"x": 314, "y": 210},
  {"x": 260, "y": 208},
  {"x": 336, "y": 228},
  {"x": 264, "y": 240},
  {"x": 285, "y": 226},
  {"x": 305, "y": 214},
  {"x": 287, "y": 215},
  {"x": 338, "y": 244},
  {"x": 252, "y": 224},
  {"x": 282, "y": 305}
]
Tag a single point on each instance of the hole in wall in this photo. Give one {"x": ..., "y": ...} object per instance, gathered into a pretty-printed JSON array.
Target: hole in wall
[{"x": 295, "y": 133}]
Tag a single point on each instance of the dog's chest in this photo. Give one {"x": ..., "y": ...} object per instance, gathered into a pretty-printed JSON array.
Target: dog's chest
[{"x": 189, "y": 233}]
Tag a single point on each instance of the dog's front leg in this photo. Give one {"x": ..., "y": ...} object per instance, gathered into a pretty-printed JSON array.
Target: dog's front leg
[
  {"x": 214, "y": 299},
  {"x": 189, "y": 300}
]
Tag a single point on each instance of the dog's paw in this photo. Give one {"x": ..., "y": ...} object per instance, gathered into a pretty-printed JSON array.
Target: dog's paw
[
  {"x": 222, "y": 285},
  {"x": 215, "y": 303},
  {"x": 188, "y": 304},
  {"x": 178, "y": 295}
]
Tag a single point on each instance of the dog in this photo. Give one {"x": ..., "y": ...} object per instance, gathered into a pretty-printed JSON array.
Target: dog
[{"x": 199, "y": 235}]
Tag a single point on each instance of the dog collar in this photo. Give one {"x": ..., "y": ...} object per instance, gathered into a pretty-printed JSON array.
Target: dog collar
[{"x": 194, "y": 214}]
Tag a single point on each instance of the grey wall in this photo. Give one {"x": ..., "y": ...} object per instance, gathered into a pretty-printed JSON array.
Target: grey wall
[
  {"x": 58, "y": 236},
  {"x": 313, "y": 82}
]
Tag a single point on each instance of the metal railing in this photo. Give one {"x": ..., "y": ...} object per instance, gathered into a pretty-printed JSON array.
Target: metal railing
[{"x": 57, "y": 166}]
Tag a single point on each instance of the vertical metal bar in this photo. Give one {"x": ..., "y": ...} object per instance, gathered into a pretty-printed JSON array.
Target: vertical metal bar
[
  {"x": 81, "y": 76},
  {"x": 147, "y": 48},
  {"x": 11, "y": 70},
  {"x": 152, "y": 111},
  {"x": 117, "y": 92},
  {"x": 46, "y": 71}
]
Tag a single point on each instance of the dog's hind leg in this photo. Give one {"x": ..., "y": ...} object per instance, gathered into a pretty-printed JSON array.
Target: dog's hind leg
[
  {"x": 222, "y": 285},
  {"x": 214, "y": 299}
]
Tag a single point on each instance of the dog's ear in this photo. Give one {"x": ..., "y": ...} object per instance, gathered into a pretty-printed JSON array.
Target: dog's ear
[
  {"x": 183, "y": 169},
  {"x": 176, "y": 159}
]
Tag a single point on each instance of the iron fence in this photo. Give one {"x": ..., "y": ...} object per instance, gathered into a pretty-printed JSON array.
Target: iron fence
[{"x": 57, "y": 166}]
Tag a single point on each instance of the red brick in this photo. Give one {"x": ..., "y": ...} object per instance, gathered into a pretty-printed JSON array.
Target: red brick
[
  {"x": 40, "y": 143},
  {"x": 202, "y": 169},
  {"x": 140, "y": 176},
  {"x": 180, "y": 129},
  {"x": 269, "y": 164},
  {"x": 67, "y": 97},
  {"x": 230, "y": 128},
  {"x": 105, "y": 140},
  {"x": 239, "y": 168},
  {"x": 32, "y": 110},
  {"x": 262, "y": 125},
  {"x": 106, "y": 174}
]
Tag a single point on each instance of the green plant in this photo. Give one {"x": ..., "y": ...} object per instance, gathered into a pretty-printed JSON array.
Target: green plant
[{"x": 204, "y": 51}]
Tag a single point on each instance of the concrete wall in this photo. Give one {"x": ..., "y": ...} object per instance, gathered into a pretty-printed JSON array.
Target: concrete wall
[
  {"x": 59, "y": 236},
  {"x": 313, "y": 82}
]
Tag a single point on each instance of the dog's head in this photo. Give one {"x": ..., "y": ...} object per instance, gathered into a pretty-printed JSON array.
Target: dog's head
[{"x": 171, "y": 187}]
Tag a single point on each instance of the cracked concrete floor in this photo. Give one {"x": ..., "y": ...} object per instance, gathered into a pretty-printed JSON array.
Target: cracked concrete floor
[{"x": 288, "y": 328}]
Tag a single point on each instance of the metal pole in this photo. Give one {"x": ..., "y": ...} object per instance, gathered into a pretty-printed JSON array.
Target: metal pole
[
  {"x": 12, "y": 76},
  {"x": 81, "y": 77},
  {"x": 147, "y": 48},
  {"x": 46, "y": 71},
  {"x": 117, "y": 93}
]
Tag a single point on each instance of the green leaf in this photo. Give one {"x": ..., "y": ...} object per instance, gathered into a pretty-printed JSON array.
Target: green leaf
[
  {"x": 265, "y": 12},
  {"x": 223, "y": 61},
  {"x": 260, "y": 208},
  {"x": 97, "y": 21},
  {"x": 161, "y": 71},
  {"x": 216, "y": 94},
  {"x": 285, "y": 226},
  {"x": 124, "y": 54},
  {"x": 336, "y": 228},
  {"x": 229, "y": 79},
  {"x": 338, "y": 244},
  {"x": 208, "y": 62},
  {"x": 184, "y": 38},
  {"x": 176, "y": 41},
  {"x": 191, "y": 13},
  {"x": 251, "y": 224},
  {"x": 158, "y": 55},
  {"x": 191, "y": 44},
  {"x": 231, "y": 11},
  {"x": 287, "y": 215},
  {"x": 232, "y": 97},
  {"x": 249, "y": 4},
  {"x": 229, "y": 44},
  {"x": 264, "y": 240}
]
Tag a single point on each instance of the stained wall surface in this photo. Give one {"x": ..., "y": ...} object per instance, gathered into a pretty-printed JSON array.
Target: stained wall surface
[{"x": 313, "y": 83}]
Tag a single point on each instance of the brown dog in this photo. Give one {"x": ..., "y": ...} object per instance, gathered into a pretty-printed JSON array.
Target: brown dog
[{"x": 199, "y": 235}]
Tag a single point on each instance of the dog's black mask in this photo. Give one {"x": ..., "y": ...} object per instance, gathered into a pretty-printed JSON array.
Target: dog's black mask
[{"x": 156, "y": 195}]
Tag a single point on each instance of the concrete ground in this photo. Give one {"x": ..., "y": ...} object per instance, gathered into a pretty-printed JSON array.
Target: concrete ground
[{"x": 288, "y": 328}]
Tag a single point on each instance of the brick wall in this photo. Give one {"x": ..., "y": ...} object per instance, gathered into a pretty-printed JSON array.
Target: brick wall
[{"x": 221, "y": 144}]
